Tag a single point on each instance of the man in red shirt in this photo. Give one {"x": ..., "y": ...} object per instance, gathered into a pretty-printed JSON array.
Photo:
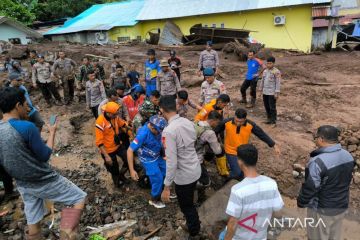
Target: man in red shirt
[{"x": 134, "y": 100}]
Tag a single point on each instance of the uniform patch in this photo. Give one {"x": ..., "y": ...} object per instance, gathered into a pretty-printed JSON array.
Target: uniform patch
[{"x": 135, "y": 141}]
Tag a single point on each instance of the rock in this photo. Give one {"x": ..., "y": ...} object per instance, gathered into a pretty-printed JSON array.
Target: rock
[
  {"x": 353, "y": 140},
  {"x": 295, "y": 174},
  {"x": 357, "y": 177},
  {"x": 132, "y": 215},
  {"x": 109, "y": 219},
  {"x": 298, "y": 118},
  {"x": 213, "y": 209},
  {"x": 17, "y": 237},
  {"x": 116, "y": 216},
  {"x": 352, "y": 148},
  {"x": 298, "y": 167},
  {"x": 358, "y": 162}
]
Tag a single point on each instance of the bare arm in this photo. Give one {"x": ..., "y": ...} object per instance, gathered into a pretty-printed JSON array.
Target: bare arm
[{"x": 231, "y": 228}]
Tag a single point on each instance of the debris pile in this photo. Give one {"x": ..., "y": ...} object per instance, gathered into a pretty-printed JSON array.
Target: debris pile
[
  {"x": 241, "y": 47},
  {"x": 350, "y": 140}
]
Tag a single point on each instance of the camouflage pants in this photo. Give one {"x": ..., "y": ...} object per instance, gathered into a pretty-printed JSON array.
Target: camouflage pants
[{"x": 68, "y": 87}]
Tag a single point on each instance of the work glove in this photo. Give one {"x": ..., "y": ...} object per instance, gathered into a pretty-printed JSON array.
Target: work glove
[{"x": 221, "y": 165}]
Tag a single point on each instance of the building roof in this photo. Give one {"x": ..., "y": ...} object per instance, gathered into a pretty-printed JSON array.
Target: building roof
[
  {"x": 20, "y": 27},
  {"x": 164, "y": 9},
  {"x": 102, "y": 17}
]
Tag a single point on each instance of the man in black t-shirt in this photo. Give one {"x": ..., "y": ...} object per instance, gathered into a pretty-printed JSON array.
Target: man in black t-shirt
[
  {"x": 175, "y": 63},
  {"x": 133, "y": 75}
]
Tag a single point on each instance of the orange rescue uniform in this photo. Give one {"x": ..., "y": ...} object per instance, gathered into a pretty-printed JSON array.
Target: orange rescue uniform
[
  {"x": 204, "y": 112},
  {"x": 239, "y": 135},
  {"x": 105, "y": 132},
  {"x": 133, "y": 106}
]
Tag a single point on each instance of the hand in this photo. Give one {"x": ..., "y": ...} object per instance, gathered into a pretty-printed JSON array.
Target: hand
[
  {"x": 53, "y": 128},
  {"x": 199, "y": 73},
  {"x": 134, "y": 175},
  {"x": 165, "y": 195},
  {"x": 277, "y": 150},
  {"x": 255, "y": 75},
  {"x": 34, "y": 85},
  {"x": 108, "y": 160},
  {"x": 277, "y": 95}
]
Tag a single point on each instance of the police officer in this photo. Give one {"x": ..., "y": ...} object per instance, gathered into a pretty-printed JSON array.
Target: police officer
[
  {"x": 211, "y": 88},
  {"x": 41, "y": 77},
  {"x": 182, "y": 163},
  {"x": 209, "y": 58},
  {"x": 167, "y": 82},
  {"x": 85, "y": 68},
  {"x": 147, "y": 144},
  {"x": 63, "y": 69},
  {"x": 150, "y": 107},
  {"x": 206, "y": 142}
]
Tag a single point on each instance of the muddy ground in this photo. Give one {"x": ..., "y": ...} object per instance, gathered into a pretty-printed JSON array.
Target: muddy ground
[{"x": 316, "y": 89}]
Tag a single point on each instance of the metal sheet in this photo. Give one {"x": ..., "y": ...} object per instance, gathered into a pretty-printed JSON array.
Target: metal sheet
[
  {"x": 102, "y": 17},
  {"x": 165, "y": 9}
]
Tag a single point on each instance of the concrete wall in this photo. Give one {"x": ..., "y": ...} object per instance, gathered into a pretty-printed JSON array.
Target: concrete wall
[
  {"x": 132, "y": 32},
  {"x": 82, "y": 37},
  {"x": 319, "y": 37},
  {"x": 7, "y": 31},
  {"x": 295, "y": 34}
]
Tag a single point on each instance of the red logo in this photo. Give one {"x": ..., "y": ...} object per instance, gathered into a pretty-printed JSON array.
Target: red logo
[{"x": 251, "y": 217}]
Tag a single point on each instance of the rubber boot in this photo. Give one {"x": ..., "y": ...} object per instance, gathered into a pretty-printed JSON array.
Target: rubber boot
[
  {"x": 36, "y": 236},
  {"x": 243, "y": 100},
  {"x": 70, "y": 218},
  {"x": 252, "y": 103},
  {"x": 222, "y": 167}
]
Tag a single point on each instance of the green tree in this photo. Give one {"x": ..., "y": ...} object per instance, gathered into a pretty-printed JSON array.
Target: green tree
[{"x": 17, "y": 11}]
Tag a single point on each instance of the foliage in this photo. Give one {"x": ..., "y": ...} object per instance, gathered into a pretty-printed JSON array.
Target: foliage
[{"x": 16, "y": 10}]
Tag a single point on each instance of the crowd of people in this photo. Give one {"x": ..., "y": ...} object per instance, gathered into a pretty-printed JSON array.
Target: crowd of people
[{"x": 143, "y": 127}]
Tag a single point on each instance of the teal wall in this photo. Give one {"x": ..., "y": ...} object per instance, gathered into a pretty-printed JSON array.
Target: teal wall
[{"x": 7, "y": 31}]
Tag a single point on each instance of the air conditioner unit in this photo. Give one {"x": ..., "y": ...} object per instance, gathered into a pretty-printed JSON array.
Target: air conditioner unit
[{"x": 279, "y": 20}]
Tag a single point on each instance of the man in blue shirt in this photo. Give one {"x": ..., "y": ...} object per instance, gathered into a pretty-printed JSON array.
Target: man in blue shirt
[
  {"x": 25, "y": 156},
  {"x": 252, "y": 74},
  {"x": 152, "y": 68},
  {"x": 33, "y": 115},
  {"x": 148, "y": 146}
]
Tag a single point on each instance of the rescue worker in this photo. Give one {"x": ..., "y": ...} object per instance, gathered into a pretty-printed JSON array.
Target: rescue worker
[
  {"x": 183, "y": 103},
  {"x": 208, "y": 141},
  {"x": 211, "y": 88},
  {"x": 182, "y": 163},
  {"x": 147, "y": 144},
  {"x": 119, "y": 77},
  {"x": 95, "y": 93},
  {"x": 152, "y": 68},
  {"x": 85, "y": 68},
  {"x": 16, "y": 81},
  {"x": 237, "y": 131},
  {"x": 63, "y": 69},
  {"x": 216, "y": 104},
  {"x": 99, "y": 69},
  {"x": 252, "y": 74},
  {"x": 115, "y": 63},
  {"x": 33, "y": 57},
  {"x": 149, "y": 108},
  {"x": 167, "y": 83},
  {"x": 107, "y": 130},
  {"x": 42, "y": 78},
  {"x": 175, "y": 63},
  {"x": 112, "y": 96},
  {"x": 209, "y": 58},
  {"x": 134, "y": 100}
]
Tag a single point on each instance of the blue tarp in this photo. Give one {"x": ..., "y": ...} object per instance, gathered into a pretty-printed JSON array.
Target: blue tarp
[
  {"x": 356, "y": 32},
  {"x": 102, "y": 17}
]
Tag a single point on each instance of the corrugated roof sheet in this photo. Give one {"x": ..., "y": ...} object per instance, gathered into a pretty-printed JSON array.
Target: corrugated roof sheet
[
  {"x": 102, "y": 17},
  {"x": 163, "y": 9},
  {"x": 20, "y": 26}
]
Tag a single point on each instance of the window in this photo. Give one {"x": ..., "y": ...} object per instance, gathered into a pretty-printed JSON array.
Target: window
[
  {"x": 15, "y": 40},
  {"x": 214, "y": 25},
  {"x": 123, "y": 39},
  {"x": 223, "y": 25}
]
